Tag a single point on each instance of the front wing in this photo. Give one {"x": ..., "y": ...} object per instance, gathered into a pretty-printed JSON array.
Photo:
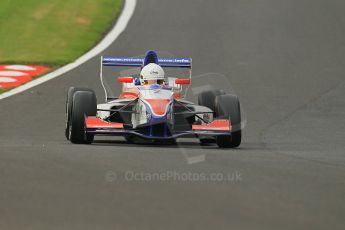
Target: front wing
[{"x": 95, "y": 125}]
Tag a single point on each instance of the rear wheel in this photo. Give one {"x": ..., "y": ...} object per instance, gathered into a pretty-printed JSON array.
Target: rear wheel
[
  {"x": 207, "y": 98},
  {"x": 69, "y": 103},
  {"x": 84, "y": 104},
  {"x": 228, "y": 106}
]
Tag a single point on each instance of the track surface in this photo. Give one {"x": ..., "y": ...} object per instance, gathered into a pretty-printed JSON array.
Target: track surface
[{"x": 286, "y": 61}]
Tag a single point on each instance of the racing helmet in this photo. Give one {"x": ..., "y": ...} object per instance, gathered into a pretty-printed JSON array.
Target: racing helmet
[{"x": 152, "y": 74}]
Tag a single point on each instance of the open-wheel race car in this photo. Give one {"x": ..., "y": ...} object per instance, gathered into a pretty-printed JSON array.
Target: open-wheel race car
[{"x": 152, "y": 107}]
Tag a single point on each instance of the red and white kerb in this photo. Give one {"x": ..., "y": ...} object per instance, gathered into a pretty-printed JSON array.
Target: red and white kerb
[{"x": 16, "y": 75}]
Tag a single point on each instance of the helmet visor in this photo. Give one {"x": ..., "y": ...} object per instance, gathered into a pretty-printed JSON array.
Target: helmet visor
[{"x": 150, "y": 82}]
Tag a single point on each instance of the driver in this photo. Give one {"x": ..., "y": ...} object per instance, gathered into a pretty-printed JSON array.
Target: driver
[{"x": 152, "y": 74}]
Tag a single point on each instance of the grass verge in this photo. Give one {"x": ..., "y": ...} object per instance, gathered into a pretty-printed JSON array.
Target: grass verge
[{"x": 52, "y": 32}]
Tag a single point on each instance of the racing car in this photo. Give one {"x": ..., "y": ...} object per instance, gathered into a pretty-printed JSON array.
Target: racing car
[{"x": 156, "y": 112}]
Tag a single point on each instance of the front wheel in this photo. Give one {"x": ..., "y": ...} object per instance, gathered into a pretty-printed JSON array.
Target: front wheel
[
  {"x": 228, "y": 106},
  {"x": 69, "y": 103},
  {"x": 207, "y": 99},
  {"x": 84, "y": 104},
  {"x": 232, "y": 141}
]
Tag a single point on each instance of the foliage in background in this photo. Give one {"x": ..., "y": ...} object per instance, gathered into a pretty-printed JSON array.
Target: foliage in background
[{"x": 53, "y": 32}]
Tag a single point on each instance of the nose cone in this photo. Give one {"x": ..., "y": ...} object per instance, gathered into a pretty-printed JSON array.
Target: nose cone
[{"x": 158, "y": 107}]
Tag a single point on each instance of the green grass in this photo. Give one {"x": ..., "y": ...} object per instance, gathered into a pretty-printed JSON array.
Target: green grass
[{"x": 53, "y": 32}]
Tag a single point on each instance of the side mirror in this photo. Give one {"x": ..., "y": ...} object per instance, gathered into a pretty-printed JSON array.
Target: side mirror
[
  {"x": 182, "y": 81},
  {"x": 125, "y": 79}
]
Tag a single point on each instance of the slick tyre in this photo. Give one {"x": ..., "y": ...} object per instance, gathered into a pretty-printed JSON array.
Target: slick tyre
[
  {"x": 228, "y": 106},
  {"x": 84, "y": 104},
  {"x": 69, "y": 103},
  {"x": 207, "y": 99}
]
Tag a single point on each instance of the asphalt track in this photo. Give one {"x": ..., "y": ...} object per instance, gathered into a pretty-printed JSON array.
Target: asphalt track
[{"x": 285, "y": 60}]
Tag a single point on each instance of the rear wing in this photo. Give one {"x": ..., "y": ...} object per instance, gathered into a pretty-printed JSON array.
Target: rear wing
[
  {"x": 150, "y": 57},
  {"x": 138, "y": 62}
]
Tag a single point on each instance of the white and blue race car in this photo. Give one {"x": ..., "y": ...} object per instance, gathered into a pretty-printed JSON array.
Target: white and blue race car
[{"x": 157, "y": 113}]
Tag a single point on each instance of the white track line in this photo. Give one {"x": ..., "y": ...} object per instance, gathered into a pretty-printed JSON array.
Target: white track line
[{"x": 119, "y": 27}]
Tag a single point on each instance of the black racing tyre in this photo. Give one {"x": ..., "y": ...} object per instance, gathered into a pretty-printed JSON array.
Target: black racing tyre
[
  {"x": 84, "y": 104},
  {"x": 207, "y": 98},
  {"x": 69, "y": 102},
  {"x": 229, "y": 106}
]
